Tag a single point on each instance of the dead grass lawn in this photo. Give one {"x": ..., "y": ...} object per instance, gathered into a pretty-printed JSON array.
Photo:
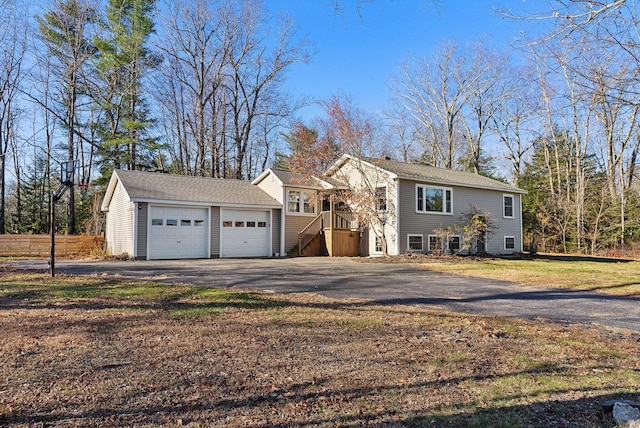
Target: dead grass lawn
[{"x": 97, "y": 352}]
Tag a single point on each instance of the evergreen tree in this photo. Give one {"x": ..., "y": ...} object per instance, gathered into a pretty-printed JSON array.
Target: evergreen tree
[{"x": 123, "y": 61}]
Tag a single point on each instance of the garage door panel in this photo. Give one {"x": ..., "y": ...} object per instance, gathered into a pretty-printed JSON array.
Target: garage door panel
[
  {"x": 177, "y": 233},
  {"x": 240, "y": 235}
]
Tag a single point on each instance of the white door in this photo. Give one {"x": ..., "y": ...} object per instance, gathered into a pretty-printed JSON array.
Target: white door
[
  {"x": 245, "y": 233},
  {"x": 177, "y": 233}
]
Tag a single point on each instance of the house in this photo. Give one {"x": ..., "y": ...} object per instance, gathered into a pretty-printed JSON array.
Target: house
[{"x": 161, "y": 216}]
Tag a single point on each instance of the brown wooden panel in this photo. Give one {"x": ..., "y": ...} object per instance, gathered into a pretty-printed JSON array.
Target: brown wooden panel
[{"x": 39, "y": 245}]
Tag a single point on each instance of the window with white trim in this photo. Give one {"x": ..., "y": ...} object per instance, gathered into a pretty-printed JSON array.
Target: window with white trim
[
  {"x": 378, "y": 245},
  {"x": 507, "y": 206},
  {"x": 436, "y": 243},
  {"x": 381, "y": 198},
  {"x": 415, "y": 242},
  {"x": 509, "y": 242},
  {"x": 301, "y": 202},
  {"x": 454, "y": 243},
  {"x": 434, "y": 200}
]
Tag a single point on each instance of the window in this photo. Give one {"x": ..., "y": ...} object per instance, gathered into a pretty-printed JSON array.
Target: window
[
  {"x": 172, "y": 222},
  {"x": 251, "y": 224},
  {"x": 414, "y": 242},
  {"x": 157, "y": 222},
  {"x": 436, "y": 244},
  {"x": 509, "y": 243},
  {"x": 437, "y": 200},
  {"x": 239, "y": 223},
  {"x": 301, "y": 202},
  {"x": 454, "y": 243},
  {"x": 227, "y": 224},
  {"x": 262, "y": 224},
  {"x": 198, "y": 223},
  {"x": 507, "y": 205},
  {"x": 185, "y": 222},
  {"x": 381, "y": 198},
  {"x": 378, "y": 248}
]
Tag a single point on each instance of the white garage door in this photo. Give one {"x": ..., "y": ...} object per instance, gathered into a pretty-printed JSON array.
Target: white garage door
[
  {"x": 245, "y": 233},
  {"x": 177, "y": 233}
]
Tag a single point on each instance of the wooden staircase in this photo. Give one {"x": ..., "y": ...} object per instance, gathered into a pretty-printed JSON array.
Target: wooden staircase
[{"x": 332, "y": 233}]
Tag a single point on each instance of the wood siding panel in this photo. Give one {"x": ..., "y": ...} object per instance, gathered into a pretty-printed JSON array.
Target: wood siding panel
[
  {"x": 214, "y": 226},
  {"x": 119, "y": 223},
  {"x": 463, "y": 200}
]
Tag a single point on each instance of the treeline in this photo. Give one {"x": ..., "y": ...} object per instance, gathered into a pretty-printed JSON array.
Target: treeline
[
  {"x": 197, "y": 87},
  {"x": 189, "y": 87}
]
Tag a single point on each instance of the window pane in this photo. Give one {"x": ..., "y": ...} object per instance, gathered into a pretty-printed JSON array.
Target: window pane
[
  {"x": 448, "y": 201},
  {"x": 509, "y": 243},
  {"x": 454, "y": 244},
  {"x": 198, "y": 223},
  {"x": 251, "y": 224},
  {"x": 378, "y": 248},
  {"x": 293, "y": 199},
  {"x": 308, "y": 206},
  {"x": 433, "y": 199},
  {"x": 420, "y": 199},
  {"x": 172, "y": 222},
  {"x": 185, "y": 222},
  {"x": 508, "y": 206},
  {"x": 381, "y": 197},
  {"x": 262, "y": 224},
  {"x": 415, "y": 243},
  {"x": 157, "y": 222},
  {"x": 239, "y": 223},
  {"x": 227, "y": 224}
]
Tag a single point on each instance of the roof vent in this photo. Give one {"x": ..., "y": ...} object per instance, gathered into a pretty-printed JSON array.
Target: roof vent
[{"x": 387, "y": 157}]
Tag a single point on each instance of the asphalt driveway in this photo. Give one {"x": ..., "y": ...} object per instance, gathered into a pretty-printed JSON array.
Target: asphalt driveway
[{"x": 377, "y": 282}]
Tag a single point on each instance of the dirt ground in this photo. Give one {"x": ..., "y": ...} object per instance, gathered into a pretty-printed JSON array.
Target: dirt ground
[{"x": 91, "y": 352}]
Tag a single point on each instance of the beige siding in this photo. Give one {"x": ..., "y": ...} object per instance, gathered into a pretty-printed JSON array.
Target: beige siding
[
  {"x": 119, "y": 223},
  {"x": 272, "y": 186},
  {"x": 275, "y": 231},
  {"x": 293, "y": 225},
  {"x": 463, "y": 200},
  {"x": 215, "y": 231},
  {"x": 143, "y": 213}
]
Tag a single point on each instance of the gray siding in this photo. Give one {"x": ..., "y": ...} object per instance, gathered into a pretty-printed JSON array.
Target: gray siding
[
  {"x": 119, "y": 223},
  {"x": 275, "y": 231},
  {"x": 463, "y": 200},
  {"x": 143, "y": 213},
  {"x": 215, "y": 231}
]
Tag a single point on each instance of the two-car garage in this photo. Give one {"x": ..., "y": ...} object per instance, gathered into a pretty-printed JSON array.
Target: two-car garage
[
  {"x": 183, "y": 233},
  {"x": 167, "y": 216}
]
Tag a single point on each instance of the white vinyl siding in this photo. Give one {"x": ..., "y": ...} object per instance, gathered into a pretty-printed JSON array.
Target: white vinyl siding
[{"x": 120, "y": 223}]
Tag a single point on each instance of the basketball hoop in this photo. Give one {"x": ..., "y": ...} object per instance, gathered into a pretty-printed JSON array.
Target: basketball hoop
[{"x": 84, "y": 189}]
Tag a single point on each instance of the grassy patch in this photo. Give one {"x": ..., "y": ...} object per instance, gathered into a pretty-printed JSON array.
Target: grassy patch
[
  {"x": 99, "y": 352},
  {"x": 616, "y": 277}
]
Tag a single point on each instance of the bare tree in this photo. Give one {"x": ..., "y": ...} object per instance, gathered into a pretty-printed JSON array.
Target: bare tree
[{"x": 13, "y": 41}]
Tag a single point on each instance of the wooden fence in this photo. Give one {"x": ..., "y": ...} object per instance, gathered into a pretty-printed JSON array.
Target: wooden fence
[{"x": 40, "y": 245}]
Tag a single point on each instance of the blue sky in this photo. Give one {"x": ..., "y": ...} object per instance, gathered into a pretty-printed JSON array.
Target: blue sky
[{"x": 357, "y": 55}]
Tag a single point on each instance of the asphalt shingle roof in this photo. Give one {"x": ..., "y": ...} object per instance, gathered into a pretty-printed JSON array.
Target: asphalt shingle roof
[
  {"x": 433, "y": 174},
  {"x": 171, "y": 187}
]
